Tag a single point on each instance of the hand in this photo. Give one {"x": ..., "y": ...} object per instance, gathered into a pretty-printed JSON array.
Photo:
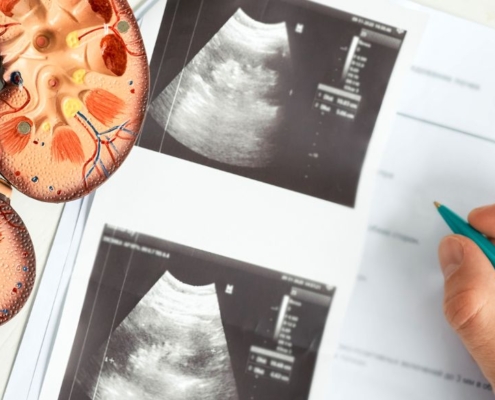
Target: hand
[{"x": 469, "y": 301}]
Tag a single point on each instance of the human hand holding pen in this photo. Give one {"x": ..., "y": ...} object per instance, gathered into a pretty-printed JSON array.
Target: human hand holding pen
[{"x": 469, "y": 299}]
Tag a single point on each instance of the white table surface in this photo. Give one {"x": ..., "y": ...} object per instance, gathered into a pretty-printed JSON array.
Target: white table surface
[{"x": 42, "y": 219}]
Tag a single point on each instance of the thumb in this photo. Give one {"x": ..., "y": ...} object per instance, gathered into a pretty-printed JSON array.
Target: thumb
[{"x": 469, "y": 302}]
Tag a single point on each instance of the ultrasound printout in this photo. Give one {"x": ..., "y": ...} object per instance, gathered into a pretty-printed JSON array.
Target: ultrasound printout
[
  {"x": 285, "y": 92},
  {"x": 164, "y": 321}
]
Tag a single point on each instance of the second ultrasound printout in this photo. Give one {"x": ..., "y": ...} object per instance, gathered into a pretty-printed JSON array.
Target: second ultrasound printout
[
  {"x": 284, "y": 92},
  {"x": 164, "y": 320}
]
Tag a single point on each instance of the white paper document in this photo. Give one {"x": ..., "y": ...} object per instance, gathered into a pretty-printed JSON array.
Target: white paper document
[
  {"x": 215, "y": 264},
  {"x": 395, "y": 343}
]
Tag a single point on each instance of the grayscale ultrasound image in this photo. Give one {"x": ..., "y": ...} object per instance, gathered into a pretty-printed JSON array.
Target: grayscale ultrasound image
[
  {"x": 171, "y": 346},
  {"x": 164, "y": 321},
  {"x": 286, "y": 92},
  {"x": 229, "y": 102}
]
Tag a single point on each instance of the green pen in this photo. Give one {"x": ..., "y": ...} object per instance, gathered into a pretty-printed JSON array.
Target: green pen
[{"x": 461, "y": 227}]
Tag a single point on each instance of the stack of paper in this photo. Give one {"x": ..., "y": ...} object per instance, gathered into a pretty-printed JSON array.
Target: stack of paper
[{"x": 246, "y": 200}]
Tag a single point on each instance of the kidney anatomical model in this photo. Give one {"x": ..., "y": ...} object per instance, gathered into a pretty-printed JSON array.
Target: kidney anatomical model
[{"x": 73, "y": 92}]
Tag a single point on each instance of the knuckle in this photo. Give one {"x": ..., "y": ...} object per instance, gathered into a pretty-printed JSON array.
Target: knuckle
[{"x": 463, "y": 311}]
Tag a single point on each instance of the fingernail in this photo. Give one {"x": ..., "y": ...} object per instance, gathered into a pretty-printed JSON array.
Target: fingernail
[{"x": 451, "y": 255}]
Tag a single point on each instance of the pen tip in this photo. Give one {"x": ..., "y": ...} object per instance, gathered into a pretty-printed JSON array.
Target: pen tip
[{"x": 437, "y": 204}]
